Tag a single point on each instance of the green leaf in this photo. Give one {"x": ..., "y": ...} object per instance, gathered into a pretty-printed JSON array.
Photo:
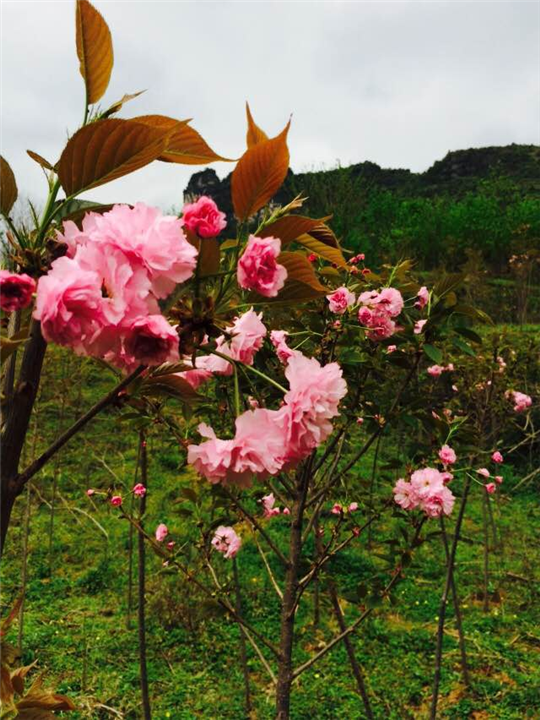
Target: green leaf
[
  {"x": 433, "y": 353},
  {"x": 464, "y": 347}
]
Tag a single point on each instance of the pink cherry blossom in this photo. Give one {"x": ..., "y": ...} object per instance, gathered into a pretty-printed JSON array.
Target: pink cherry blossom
[
  {"x": 359, "y": 420},
  {"x": 498, "y": 479},
  {"x": 204, "y": 218},
  {"x": 139, "y": 490},
  {"x": 391, "y": 348},
  {"x": 439, "y": 502},
  {"x": 521, "y": 400},
  {"x": 447, "y": 456},
  {"x": 404, "y": 495},
  {"x": 211, "y": 458},
  {"x": 170, "y": 544},
  {"x": 278, "y": 339},
  {"x": 497, "y": 457},
  {"x": 149, "y": 239},
  {"x": 484, "y": 472},
  {"x": 435, "y": 370},
  {"x": 336, "y": 509},
  {"x": 286, "y": 511},
  {"x": 423, "y": 297},
  {"x": 310, "y": 404},
  {"x": 243, "y": 339},
  {"x": 69, "y": 304},
  {"x": 268, "y": 502},
  {"x": 15, "y": 290},
  {"x": 447, "y": 476},
  {"x": 90, "y": 492},
  {"x": 116, "y": 500},
  {"x": 340, "y": 300},
  {"x": 490, "y": 488},
  {"x": 258, "y": 269},
  {"x": 419, "y": 326},
  {"x": 353, "y": 507},
  {"x": 152, "y": 341},
  {"x": 161, "y": 532},
  {"x": 226, "y": 541}
]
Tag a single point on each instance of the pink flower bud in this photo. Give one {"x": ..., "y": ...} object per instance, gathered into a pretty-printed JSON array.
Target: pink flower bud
[
  {"x": 353, "y": 507},
  {"x": 490, "y": 488},
  {"x": 286, "y": 511},
  {"x": 90, "y": 492},
  {"x": 139, "y": 490},
  {"x": 498, "y": 479},
  {"x": 116, "y": 500},
  {"x": 171, "y": 544},
  {"x": 359, "y": 420},
  {"x": 497, "y": 457},
  {"x": 484, "y": 472},
  {"x": 161, "y": 532},
  {"x": 337, "y": 509}
]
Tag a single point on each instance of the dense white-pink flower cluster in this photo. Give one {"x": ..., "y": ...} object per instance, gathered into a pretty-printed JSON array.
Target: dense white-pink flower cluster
[
  {"x": 266, "y": 441},
  {"x": 101, "y": 299},
  {"x": 427, "y": 491}
]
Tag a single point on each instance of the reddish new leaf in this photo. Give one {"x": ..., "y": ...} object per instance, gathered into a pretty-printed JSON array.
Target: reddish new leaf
[
  {"x": 8, "y": 187},
  {"x": 94, "y": 50},
  {"x": 259, "y": 174},
  {"x": 106, "y": 150}
]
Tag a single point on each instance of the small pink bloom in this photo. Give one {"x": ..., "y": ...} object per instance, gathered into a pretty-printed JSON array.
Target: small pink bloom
[
  {"x": 419, "y": 326},
  {"x": 365, "y": 271},
  {"x": 521, "y": 400},
  {"x": 204, "y": 218},
  {"x": 90, "y": 492},
  {"x": 336, "y": 324},
  {"x": 337, "y": 509},
  {"x": 498, "y": 479},
  {"x": 360, "y": 256},
  {"x": 447, "y": 456},
  {"x": 226, "y": 541},
  {"x": 152, "y": 341},
  {"x": 257, "y": 268},
  {"x": 286, "y": 511},
  {"x": 353, "y": 507},
  {"x": 268, "y": 502},
  {"x": 484, "y": 472},
  {"x": 497, "y": 457},
  {"x": 404, "y": 495},
  {"x": 139, "y": 490},
  {"x": 391, "y": 348},
  {"x": 435, "y": 370},
  {"x": 359, "y": 420},
  {"x": 354, "y": 271},
  {"x": 278, "y": 339},
  {"x": 161, "y": 532},
  {"x": 455, "y": 388},
  {"x": 447, "y": 476},
  {"x": 340, "y": 300},
  {"x": 490, "y": 488},
  {"x": 423, "y": 297},
  {"x": 170, "y": 544},
  {"x": 15, "y": 290},
  {"x": 450, "y": 368},
  {"x": 116, "y": 500}
]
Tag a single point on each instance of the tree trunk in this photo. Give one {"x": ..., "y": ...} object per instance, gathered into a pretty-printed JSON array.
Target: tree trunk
[
  {"x": 16, "y": 424},
  {"x": 288, "y": 606}
]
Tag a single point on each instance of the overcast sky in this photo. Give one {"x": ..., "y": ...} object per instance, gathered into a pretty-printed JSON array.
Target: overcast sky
[{"x": 397, "y": 83}]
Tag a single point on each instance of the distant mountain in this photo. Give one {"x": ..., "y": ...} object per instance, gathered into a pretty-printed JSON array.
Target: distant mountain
[{"x": 457, "y": 173}]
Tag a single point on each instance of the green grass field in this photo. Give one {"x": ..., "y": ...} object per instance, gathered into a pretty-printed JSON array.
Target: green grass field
[{"x": 75, "y": 620}]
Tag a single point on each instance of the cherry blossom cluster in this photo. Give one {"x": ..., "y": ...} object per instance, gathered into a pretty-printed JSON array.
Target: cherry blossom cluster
[
  {"x": 427, "y": 491},
  {"x": 240, "y": 342},
  {"x": 226, "y": 541},
  {"x": 258, "y": 268},
  {"x": 521, "y": 400},
  {"x": 267, "y": 441},
  {"x": 438, "y": 370},
  {"x": 101, "y": 298},
  {"x": 268, "y": 503},
  {"x": 377, "y": 309},
  {"x": 16, "y": 290}
]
